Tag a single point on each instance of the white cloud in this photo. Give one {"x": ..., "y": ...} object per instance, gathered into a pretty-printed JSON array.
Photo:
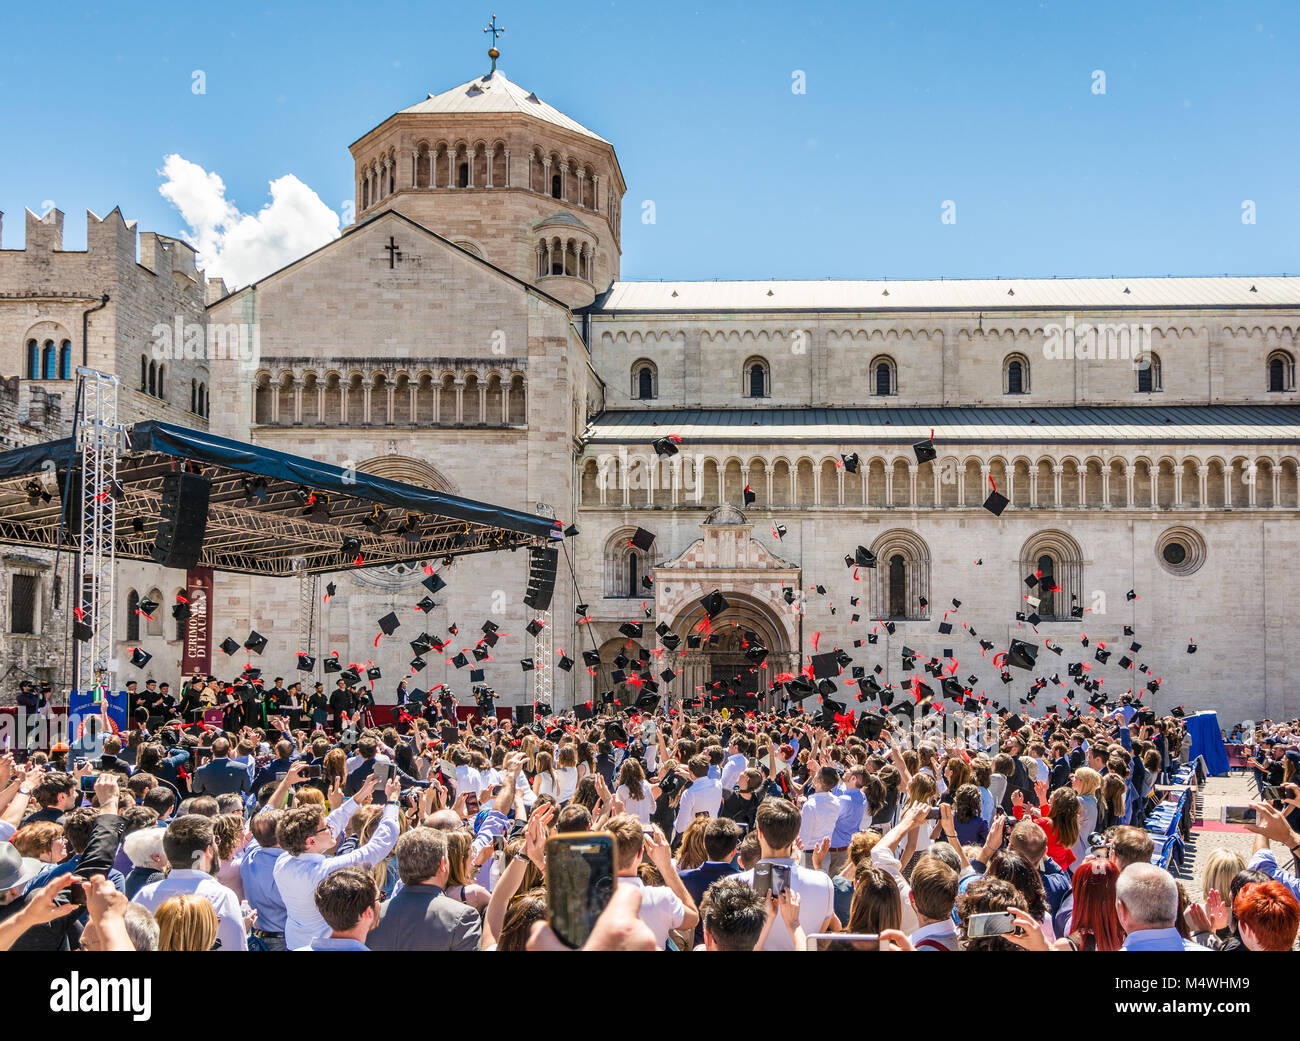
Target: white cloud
[{"x": 243, "y": 247}]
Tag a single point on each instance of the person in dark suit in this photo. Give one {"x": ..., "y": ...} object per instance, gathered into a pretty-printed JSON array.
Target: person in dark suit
[
  {"x": 341, "y": 700},
  {"x": 422, "y": 917},
  {"x": 722, "y": 838},
  {"x": 220, "y": 776},
  {"x": 1060, "y": 776},
  {"x": 368, "y": 748}
]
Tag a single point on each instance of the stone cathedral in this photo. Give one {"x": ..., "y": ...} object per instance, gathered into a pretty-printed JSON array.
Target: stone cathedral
[{"x": 471, "y": 333}]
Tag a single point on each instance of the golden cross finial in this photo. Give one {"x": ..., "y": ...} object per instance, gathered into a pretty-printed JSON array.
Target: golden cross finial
[{"x": 496, "y": 31}]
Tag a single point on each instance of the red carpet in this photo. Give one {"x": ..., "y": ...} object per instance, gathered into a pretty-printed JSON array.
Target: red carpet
[{"x": 1217, "y": 826}]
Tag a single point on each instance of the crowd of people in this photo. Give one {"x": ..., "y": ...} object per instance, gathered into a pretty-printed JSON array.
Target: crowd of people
[{"x": 310, "y": 829}]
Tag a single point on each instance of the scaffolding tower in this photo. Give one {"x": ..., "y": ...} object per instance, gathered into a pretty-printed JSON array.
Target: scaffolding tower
[
  {"x": 544, "y": 662},
  {"x": 99, "y": 439}
]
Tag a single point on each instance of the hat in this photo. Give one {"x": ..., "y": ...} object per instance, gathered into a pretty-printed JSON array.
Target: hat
[
  {"x": 527, "y": 664},
  {"x": 534, "y": 627},
  {"x": 668, "y": 675},
  {"x": 645, "y": 703},
  {"x": 417, "y": 664},
  {"x": 749, "y": 495},
  {"x": 945, "y": 628},
  {"x": 389, "y": 623},
  {"x": 425, "y": 604},
  {"x": 306, "y": 663},
  {"x": 81, "y": 631},
  {"x": 863, "y": 557},
  {"x": 373, "y": 673},
  {"x": 181, "y": 611},
  {"x": 256, "y": 642},
  {"x": 850, "y": 462},
  {"x": 825, "y": 665},
  {"x": 433, "y": 583},
  {"x": 591, "y": 658},
  {"x": 460, "y": 661},
  {"x": 641, "y": 539},
  {"x": 565, "y": 663},
  {"x": 925, "y": 450},
  {"x": 996, "y": 502},
  {"x": 787, "y": 594},
  {"x": 476, "y": 675},
  {"x": 332, "y": 665},
  {"x": 15, "y": 869},
  {"x": 799, "y": 689},
  {"x": 953, "y": 690},
  {"x": 665, "y": 447},
  {"x": 229, "y": 645},
  {"x": 147, "y": 606},
  {"x": 1022, "y": 654},
  {"x": 714, "y": 604},
  {"x": 632, "y": 630},
  {"x": 140, "y": 657},
  {"x": 351, "y": 675},
  {"x": 671, "y": 640}
]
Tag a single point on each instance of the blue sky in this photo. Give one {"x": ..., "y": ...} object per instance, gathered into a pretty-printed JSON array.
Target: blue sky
[{"x": 989, "y": 105}]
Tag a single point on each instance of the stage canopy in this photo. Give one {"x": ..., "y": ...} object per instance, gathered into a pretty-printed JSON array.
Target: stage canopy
[{"x": 269, "y": 513}]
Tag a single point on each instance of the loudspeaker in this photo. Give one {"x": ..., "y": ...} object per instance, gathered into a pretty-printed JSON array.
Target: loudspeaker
[
  {"x": 184, "y": 519},
  {"x": 542, "y": 561}
]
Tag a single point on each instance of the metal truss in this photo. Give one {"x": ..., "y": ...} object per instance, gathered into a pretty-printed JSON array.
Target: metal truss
[
  {"x": 544, "y": 661},
  {"x": 99, "y": 439}
]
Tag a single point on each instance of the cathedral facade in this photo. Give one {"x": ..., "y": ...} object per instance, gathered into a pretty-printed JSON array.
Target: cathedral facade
[{"x": 470, "y": 332}]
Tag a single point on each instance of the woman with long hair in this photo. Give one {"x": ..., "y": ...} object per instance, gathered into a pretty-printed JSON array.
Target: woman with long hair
[
  {"x": 1012, "y": 867},
  {"x": 334, "y": 768},
  {"x": 545, "y": 782},
  {"x": 877, "y": 904},
  {"x": 186, "y": 922},
  {"x": 1094, "y": 923},
  {"x": 692, "y": 852},
  {"x": 1086, "y": 782},
  {"x": 1059, "y": 820},
  {"x": 566, "y": 772},
  {"x": 1111, "y": 804},
  {"x": 967, "y": 815},
  {"x": 634, "y": 791},
  {"x": 460, "y": 872},
  {"x": 586, "y": 795},
  {"x": 231, "y": 836}
]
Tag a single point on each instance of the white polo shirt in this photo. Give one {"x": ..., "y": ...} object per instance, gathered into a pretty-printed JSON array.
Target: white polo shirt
[
  {"x": 816, "y": 901},
  {"x": 661, "y": 910}
]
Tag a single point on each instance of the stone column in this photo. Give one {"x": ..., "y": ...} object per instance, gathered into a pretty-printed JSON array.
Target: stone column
[
  {"x": 297, "y": 402},
  {"x": 1105, "y": 486},
  {"x": 459, "y": 384},
  {"x": 564, "y": 181},
  {"x": 482, "y": 400},
  {"x": 911, "y": 484},
  {"x": 507, "y": 184},
  {"x": 582, "y": 180},
  {"x": 390, "y": 396},
  {"x": 413, "y": 389},
  {"x": 889, "y": 487},
  {"x": 1276, "y": 471},
  {"x": 986, "y": 474},
  {"x": 961, "y": 486},
  {"x": 546, "y": 175},
  {"x": 415, "y": 168},
  {"x": 491, "y": 161},
  {"x": 274, "y": 388},
  {"x": 595, "y": 192},
  {"x": 817, "y": 486},
  {"x": 1178, "y": 485},
  {"x": 471, "y": 153},
  {"x": 1203, "y": 484},
  {"x": 1229, "y": 471},
  {"x": 1129, "y": 472},
  {"x": 1251, "y": 474},
  {"x": 767, "y": 471},
  {"x": 1033, "y": 486},
  {"x": 1057, "y": 471}
]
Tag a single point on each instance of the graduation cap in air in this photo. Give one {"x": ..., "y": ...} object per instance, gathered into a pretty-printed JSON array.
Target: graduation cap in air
[
  {"x": 825, "y": 665},
  {"x": 924, "y": 450},
  {"x": 1034, "y": 619},
  {"x": 147, "y": 606},
  {"x": 903, "y": 708},
  {"x": 140, "y": 657},
  {"x": 693, "y": 641},
  {"x": 1102, "y": 655},
  {"x": 229, "y": 645},
  {"x": 1177, "y": 712},
  {"x": 1153, "y": 686},
  {"x": 580, "y": 610},
  {"x": 714, "y": 604},
  {"x": 426, "y": 604},
  {"x": 330, "y": 589},
  {"x": 565, "y": 664},
  {"x": 787, "y": 594},
  {"x": 890, "y": 627},
  {"x": 749, "y": 495},
  {"x": 256, "y": 642},
  {"x": 830, "y": 709},
  {"x": 460, "y": 661},
  {"x": 872, "y": 638},
  {"x": 389, "y": 623},
  {"x": 476, "y": 675},
  {"x": 433, "y": 583},
  {"x": 332, "y": 664},
  {"x": 996, "y": 502},
  {"x": 526, "y": 664},
  {"x": 668, "y": 675},
  {"x": 1128, "y": 630},
  {"x": 1191, "y": 647},
  {"x": 671, "y": 640},
  {"x": 306, "y": 663},
  {"x": 825, "y": 687},
  {"x": 1021, "y": 654},
  {"x": 952, "y": 689},
  {"x": 665, "y": 447},
  {"x": 1076, "y": 611},
  {"x": 869, "y": 727},
  {"x": 1031, "y": 580},
  {"x": 534, "y": 627},
  {"x": 798, "y": 689},
  {"x": 181, "y": 610},
  {"x": 618, "y": 675},
  {"x": 781, "y": 529},
  {"x": 480, "y": 653},
  {"x": 646, "y": 702},
  {"x": 1125, "y": 662},
  {"x": 945, "y": 628},
  {"x": 756, "y": 652},
  {"x": 417, "y": 664},
  {"x": 373, "y": 673},
  {"x": 863, "y": 557},
  {"x": 971, "y": 704},
  {"x": 591, "y": 658},
  {"x": 642, "y": 539},
  {"x": 632, "y": 630},
  {"x": 1131, "y": 595},
  {"x": 850, "y": 462},
  {"x": 351, "y": 675}
]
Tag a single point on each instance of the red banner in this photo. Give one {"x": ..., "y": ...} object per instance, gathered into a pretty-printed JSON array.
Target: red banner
[{"x": 196, "y": 654}]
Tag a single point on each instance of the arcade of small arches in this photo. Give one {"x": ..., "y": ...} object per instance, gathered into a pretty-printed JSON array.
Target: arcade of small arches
[
  {"x": 1213, "y": 481},
  {"x": 575, "y": 258},
  {"x": 49, "y": 359},
  {"x": 494, "y": 397},
  {"x": 482, "y": 164}
]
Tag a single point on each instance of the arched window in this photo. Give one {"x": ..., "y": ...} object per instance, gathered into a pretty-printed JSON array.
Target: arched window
[
  {"x": 49, "y": 361},
  {"x": 1057, "y": 560},
  {"x": 1015, "y": 374},
  {"x": 203, "y": 400},
  {"x": 885, "y": 376},
  {"x": 33, "y": 360},
  {"x": 132, "y": 619},
  {"x": 194, "y": 396},
  {"x": 633, "y": 575},
  {"x": 1281, "y": 372},
  {"x": 180, "y": 622},
  {"x": 645, "y": 381},
  {"x": 1046, "y": 587},
  {"x": 897, "y": 586},
  {"x": 758, "y": 383},
  {"x": 153, "y": 379},
  {"x": 144, "y": 372},
  {"x": 1148, "y": 373},
  {"x": 65, "y": 360},
  {"x": 555, "y": 186},
  {"x": 154, "y": 624},
  {"x": 625, "y": 565},
  {"x": 162, "y": 375},
  {"x": 462, "y": 176}
]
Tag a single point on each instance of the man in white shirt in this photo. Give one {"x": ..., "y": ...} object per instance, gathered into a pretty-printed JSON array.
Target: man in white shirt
[
  {"x": 308, "y": 836},
  {"x": 736, "y": 764},
  {"x": 663, "y": 908},
  {"x": 191, "y": 851},
  {"x": 703, "y": 796},
  {"x": 820, "y": 812},
  {"x": 778, "y": 822},
  {"x": 932, "y": 896}
]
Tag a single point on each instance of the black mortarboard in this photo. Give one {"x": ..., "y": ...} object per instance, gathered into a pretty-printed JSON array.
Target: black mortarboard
[
  {"x": 1022, "y": 654},
  {"x": 565, "y": 663},
  {"x": 668, "y": 675},
  {"x": 1102, "y": 655},
  {"x": 826, "y": 687},
  {"x": 781, "y": 529},
  {"x": 534, "y": 627},
  {"x": 330, "y": 589},
  {"x": 945, "y": 628},
  {"x": 665, "y": 447},
  {"x": 147, "y": 606},
  {"x": 850, "y": 462},
  {"x": 476, "y": 675},
  {"x": 140, "y": 657},
  {"x": 351, "y": 675},
  {"x": 591, "y": 658},
  {"x": 618, "y": 675},
  {"x": 671, "y": 640},
  {"x": 825, "y": 665},
  {"x": 871, "y": 638},
  {"x": 646, "y": 702},
  {"x": 1131, "y": 595},
  {"x": 1191, "y": 647},
  {"x": 714, "y": 604},
  {"x": 332, "y": 664},
  {"x": 890, "y": 627},
  {"x": 306, "y": 663},
  {"x": 642, "y": 539},
  {"x": 526, "y": 664},
  {"x": 693, "y": 641},
  {"x": 749, "y": 495},
  {"x": 1128, "y": 630},
  {"x": 417, "y": 664},
  {"x": 229, "y": 645},
  {"x": 181, "y": 611},
  {"x": 433, "y": 583},
  {"x": 1125, "y": 662},
  {"x": 389, "y": 623},
  {"x": 490, "y": 626},
  {"x": 952, "y": 689},
  {"x": 632, "y": 630},
  {"x": 256, "y": 642},
  {"x": 924, "y": 451},
  {"x": 460, "y": 661},
  {"x": 426, "y": 604},
  {"x": 787, "y": 594},
  {"x": 869, "y": 726},
  {"x": 863, "y": 557},
  {"x": 1031, "y": 580},
  {"x": 373, "y": 673},
  {"x": 996, "y": 503},
  {"x": 798, "y": 689}
]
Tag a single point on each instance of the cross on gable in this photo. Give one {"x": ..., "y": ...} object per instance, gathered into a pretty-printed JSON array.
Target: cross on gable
[{"x": 394, "y": 253}]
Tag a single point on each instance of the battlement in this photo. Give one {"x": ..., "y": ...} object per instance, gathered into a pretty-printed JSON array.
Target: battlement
[{"x": 115, "y": 238}]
